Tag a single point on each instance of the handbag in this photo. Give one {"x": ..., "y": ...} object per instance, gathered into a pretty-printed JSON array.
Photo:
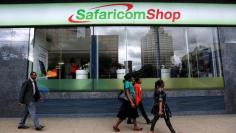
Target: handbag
[{"x": 122, "y": 96}]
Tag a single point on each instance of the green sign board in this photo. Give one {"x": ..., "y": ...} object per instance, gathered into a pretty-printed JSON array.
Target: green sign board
[{"x": 117, "y": 13}]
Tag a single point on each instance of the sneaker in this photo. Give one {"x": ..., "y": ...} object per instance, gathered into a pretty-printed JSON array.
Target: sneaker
[
  {"x": 23, "y": 127},
  {"x": 40, "y": 128}
]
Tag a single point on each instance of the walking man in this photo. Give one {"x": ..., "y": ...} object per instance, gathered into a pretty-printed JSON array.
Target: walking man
[{"x": 29, "y": 95}]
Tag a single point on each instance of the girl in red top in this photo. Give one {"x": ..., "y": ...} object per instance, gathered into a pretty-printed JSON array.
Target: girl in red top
[{"x": 138, "y": 100}]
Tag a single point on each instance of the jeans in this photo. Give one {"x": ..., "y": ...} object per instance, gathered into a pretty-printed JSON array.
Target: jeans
[{"x": 30, "y": 109}]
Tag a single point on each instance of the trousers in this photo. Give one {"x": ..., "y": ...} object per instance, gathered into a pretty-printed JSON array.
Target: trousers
[{"x": 30, "y": 109}]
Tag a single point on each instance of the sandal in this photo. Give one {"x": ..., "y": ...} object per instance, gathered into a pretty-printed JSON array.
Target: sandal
[
  {"x": 138, "y": 129},
  {"x": 116, "y": 129}
]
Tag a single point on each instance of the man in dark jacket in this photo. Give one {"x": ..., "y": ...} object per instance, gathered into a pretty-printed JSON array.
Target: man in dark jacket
[{"x": 29, "y": 94}]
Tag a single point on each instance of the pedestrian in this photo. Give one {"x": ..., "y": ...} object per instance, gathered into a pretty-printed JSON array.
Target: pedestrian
[
  {"x": 73, "y": 68},
  {"x": 160, "y": 107},
  {"x": 128, "y": 107},
  {"x": 138, "y": 100},
  {"x": 29, "y": 95}
]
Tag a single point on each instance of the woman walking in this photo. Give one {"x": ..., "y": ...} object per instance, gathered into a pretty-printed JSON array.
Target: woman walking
[
  {"x": 128, "y": 107},
  {"x": 160, "y": 107},
  {"x": 138, "y": 100}
]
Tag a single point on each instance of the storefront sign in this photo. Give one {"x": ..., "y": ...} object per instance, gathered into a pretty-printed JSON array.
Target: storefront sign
[
  {"x": 117, "y": 13},
  {"x": 100, "y": 14}
]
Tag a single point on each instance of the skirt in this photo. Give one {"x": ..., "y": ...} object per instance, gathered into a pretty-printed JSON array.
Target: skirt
[{"x": 126, "y": 110}]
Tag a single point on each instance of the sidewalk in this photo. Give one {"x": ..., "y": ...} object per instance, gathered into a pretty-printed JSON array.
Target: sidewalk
[{"x": 185, "y": 124}]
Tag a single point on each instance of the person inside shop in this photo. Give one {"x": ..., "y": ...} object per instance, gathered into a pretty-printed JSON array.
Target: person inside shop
[{"x": 73, "y": 68}]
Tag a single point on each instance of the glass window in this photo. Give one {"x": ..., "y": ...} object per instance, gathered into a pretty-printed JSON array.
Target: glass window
[
  {"x": 13, "y": 55},
  {"x": 174, "y": 58},
  {"x": 99, "y": 57},
  {"x": 127, "y": 49},
  {"x": 63, "y": 53},
  {"x": 175, "y": 54},
  {"x": 14, "y": 43},
  {"x": 204, "y": 52},
  {"x": 148, "y": 40},
  {"x": 61, "y": 50},
  {"x": 193, "y": 51},
  {"x": 111, "y": 55}
]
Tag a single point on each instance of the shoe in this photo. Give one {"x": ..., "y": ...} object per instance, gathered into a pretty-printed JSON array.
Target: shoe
[
  {"x": 116, "y": 129},
  {"x": 23, "y": 127},
  {"x": 39, "y": 128},
  {"x": 42, "y": 126}
]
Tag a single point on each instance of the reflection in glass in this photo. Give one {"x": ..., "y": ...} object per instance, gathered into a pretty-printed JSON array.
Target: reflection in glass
[
  {"x": 121, "y": 51},
  {"x": 149, "y": 52},
  {"x": 110, "y": 42},
  {"x": 227, "y": 35},
  {"x": 195, "y": 52},
  {"x": 13, "y": 43},
  {"x": 14, "y": 34}
]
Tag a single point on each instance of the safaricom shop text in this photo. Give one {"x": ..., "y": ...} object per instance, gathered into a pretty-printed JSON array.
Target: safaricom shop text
[{"x": 150, "y": 14}]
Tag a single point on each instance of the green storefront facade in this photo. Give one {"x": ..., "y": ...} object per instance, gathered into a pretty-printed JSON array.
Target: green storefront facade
[{"x": 185, "y": 44}]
